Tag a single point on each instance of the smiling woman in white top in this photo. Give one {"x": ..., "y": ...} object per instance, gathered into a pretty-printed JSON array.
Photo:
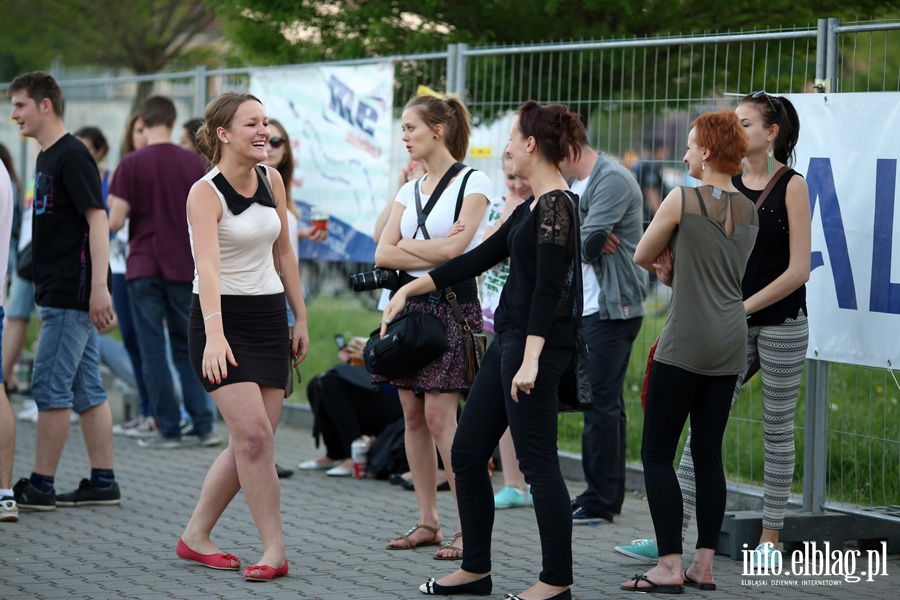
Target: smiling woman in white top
[{"x": 238, "y": 339}]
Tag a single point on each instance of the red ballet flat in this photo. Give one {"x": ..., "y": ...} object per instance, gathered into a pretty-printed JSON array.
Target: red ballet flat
[
  {"x": 265, "y": 572},
  {"x": 226, "y": 562}
]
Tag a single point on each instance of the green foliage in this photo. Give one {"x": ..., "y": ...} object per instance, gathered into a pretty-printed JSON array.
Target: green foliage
[{"x": 143, "y": 35}]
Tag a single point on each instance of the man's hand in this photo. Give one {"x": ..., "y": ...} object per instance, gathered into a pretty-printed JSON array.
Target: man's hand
[
  {"x": 101, "y": 309},
  {"x": 611, "y": 245}
]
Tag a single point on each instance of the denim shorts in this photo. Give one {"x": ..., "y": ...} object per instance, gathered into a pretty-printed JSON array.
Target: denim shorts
[
  {"x": 20, "y": 302},
  {"x": 67, "y": 362}
]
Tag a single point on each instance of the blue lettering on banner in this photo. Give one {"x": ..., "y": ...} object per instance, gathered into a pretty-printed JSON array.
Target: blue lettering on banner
[
  {"x": 884, "y": 296},
  {"x": 342, "y": 102},
  {"x": 820, "y": 179},
  {"x": 341, "y": 99}
]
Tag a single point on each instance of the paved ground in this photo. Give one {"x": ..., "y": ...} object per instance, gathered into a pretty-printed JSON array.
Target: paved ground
[{"x": 335, "y": 529}]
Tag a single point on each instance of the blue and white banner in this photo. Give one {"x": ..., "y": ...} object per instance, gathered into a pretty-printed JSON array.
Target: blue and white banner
[
  {"x": 339, "y": 121},
  {"x": 848, "y": 151}
]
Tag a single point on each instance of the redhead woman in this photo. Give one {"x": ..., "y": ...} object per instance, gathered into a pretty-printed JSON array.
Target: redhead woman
[
  {"x": 517, "y": 385},
  {"x": 238, "y": 342},
  {"x": 775, "y": 303},
  {"x": 705, "y": 234},
  {"x": 435, "y": 132}
]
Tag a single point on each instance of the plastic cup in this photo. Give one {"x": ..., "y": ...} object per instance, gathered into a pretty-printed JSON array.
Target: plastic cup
[{"x": 319, "y": 221}]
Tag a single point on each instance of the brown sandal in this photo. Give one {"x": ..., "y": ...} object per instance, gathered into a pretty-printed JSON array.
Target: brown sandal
[
  {"x": 450, "y": 546},
  {"x": 409, "y": 545}
]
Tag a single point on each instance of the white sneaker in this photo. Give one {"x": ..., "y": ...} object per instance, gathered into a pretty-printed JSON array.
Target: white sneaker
[
  {"x": 30, "y": 413},
  {"x": 124, "y": 428},
  {"x": 146, "y": 428},
  {"x": 8, "y": 509}
]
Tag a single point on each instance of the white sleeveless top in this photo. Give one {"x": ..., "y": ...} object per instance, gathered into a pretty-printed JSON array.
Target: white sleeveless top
[{"x": 246, "y": 266}]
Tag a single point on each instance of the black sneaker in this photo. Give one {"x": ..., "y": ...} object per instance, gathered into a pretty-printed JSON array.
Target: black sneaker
[
  {"x": 28, "y": 496},
  {"x": 89, "y": 494},
  {"x": 582, "y": 517}
]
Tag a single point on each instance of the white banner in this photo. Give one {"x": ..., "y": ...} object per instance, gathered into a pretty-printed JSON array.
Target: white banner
[
  {"x": 848, "y": 152},
  {"x": 339, "y": 121}
]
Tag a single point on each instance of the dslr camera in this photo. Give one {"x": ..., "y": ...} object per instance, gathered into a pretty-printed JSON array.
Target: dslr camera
[{"x": 376, "y": 279}]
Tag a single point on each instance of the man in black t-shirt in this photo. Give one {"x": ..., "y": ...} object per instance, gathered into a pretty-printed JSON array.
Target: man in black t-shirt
[{"x": 70, "y": 253}]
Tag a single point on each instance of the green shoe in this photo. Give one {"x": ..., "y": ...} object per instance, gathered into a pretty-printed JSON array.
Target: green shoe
[
  {"x": 644, "y": 550},
  {"x": 509, "y": 497}
]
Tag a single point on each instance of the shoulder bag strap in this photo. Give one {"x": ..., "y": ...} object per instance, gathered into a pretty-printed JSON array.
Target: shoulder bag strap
[
  {"x": 771, "y": 185},
  {"x": 263, "y": 172},
  {"x": 435, "y": 195},
  {"x": 462, "y": 195}
]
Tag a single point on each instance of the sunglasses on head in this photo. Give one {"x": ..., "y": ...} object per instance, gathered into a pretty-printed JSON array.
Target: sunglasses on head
[
  {"x": 763, "y": 94},
  {"x": 276, "y": 142}
]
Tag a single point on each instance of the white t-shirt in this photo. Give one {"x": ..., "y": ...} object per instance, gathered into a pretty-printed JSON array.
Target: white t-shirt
[
  {"x": 588, "y": 277},
  {"x": 493, "y": 279},
  {"x": 440, "y": 220},
  {"x": 6, "y": 218},
  {"x": 118, "y": 250}
]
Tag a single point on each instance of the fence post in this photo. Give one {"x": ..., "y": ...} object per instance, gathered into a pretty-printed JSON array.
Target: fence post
[
  {"x": 820, "y": 447},
  {"x": 452, "y": 57},
  {"x": 809, "y": 452},
  {"x": 200, "y": 90},
  {"x": 831, "y": 58},
  {"x": 461, "y": 71},
  {"x": 822, "y": 84}
]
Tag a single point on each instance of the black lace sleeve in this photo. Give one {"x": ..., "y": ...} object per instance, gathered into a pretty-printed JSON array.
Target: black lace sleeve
[
  {"x": 555, "y": 277},
  {"x": 554, "y": 219}
]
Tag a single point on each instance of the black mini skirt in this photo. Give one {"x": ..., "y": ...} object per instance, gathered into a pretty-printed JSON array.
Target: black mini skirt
[{"x": 256, "y": 329}]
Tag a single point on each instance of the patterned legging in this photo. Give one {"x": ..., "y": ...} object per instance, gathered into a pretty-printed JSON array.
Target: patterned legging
[{"x": 782, "y": 351}]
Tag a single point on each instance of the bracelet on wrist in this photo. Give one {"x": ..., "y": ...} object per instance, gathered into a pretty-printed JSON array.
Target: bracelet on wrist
[{"x": 208, "y": 317}]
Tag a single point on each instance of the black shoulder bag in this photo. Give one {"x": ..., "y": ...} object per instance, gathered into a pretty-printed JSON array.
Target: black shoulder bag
[
  {"x": 575, "y": 385},
  {"x": 414, "y": 339}
]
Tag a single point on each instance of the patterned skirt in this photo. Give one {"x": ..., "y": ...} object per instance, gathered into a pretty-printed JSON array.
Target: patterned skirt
[{"x": 447, "y": 372}]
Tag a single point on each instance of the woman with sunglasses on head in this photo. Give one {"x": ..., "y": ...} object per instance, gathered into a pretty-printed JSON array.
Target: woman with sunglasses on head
[
  {"x": 238, "y": 341},
  {"x": 775, "y": 302},
  {"x": 435, "y": 132},
  {"x": 708, "y": 232},
  {"x": 518, "y": 382}
]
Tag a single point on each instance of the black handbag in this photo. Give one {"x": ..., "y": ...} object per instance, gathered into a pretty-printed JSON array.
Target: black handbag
[
  {"x": 575, "y": 385},
  {"x": 24, "y": 263},
  {"x": 412, "y": 340}
]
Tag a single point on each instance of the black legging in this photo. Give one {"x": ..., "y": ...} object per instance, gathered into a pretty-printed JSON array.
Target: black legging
[
  {"x": 533, "y": 424},
  {"x": 673, "y": 394},
  {"x": 345, "y": 411}
]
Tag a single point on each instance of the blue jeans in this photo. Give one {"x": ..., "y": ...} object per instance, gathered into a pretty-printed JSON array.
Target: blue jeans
[
  {"x": 603, "y": 438},
  {"x": 130, "y": 340},
  {"x": 67, "y": 362},
  {"x": 157, "y": 304}
]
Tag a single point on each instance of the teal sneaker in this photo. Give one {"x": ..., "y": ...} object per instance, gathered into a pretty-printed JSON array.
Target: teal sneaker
[
  {"x": 644, "y": 550},
  {"x": 509, "y": 497},
  {"x": 766, "y": 557}
]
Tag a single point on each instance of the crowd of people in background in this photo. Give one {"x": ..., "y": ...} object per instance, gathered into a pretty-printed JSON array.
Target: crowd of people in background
[{"x": 191, "y": 250}]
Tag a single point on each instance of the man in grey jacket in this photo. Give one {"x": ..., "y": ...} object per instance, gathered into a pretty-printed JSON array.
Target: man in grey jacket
[{"x": 611, "y": 211}]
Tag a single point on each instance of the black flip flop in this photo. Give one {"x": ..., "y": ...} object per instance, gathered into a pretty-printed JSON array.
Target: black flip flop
[
  {"x": 653, "y": 587},
  {"x": 706, "y": 587}
]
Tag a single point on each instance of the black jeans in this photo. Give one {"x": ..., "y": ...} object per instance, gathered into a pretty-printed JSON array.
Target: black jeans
[
  {"x": 603, "y": 438},
  {"x": 673, "y": 394},
  {"x": 345, "y": 411},
  {"x": 533, "y": 423}
]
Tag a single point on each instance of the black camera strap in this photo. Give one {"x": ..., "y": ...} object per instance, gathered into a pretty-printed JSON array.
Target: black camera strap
[{"x": 435, "y": 195}]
